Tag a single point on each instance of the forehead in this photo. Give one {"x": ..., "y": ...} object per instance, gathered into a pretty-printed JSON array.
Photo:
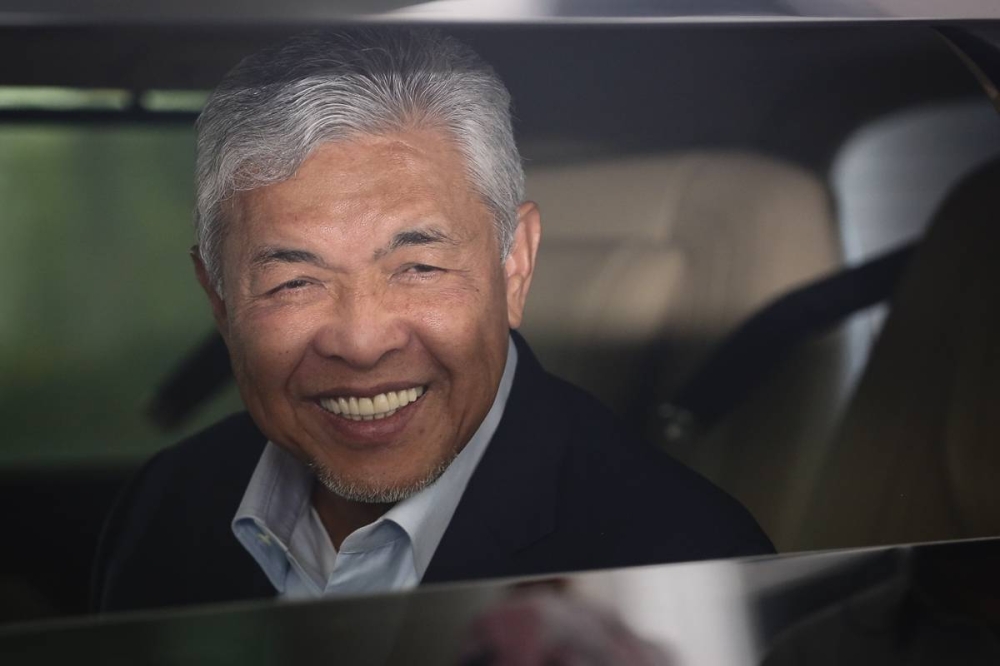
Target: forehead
[{"x": 367, "y": 179}]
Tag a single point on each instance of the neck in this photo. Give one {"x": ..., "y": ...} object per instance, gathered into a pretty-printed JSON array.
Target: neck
[{"x": 341, "y": 516}]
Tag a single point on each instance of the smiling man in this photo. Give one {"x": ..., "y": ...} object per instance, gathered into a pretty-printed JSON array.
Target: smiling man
[
  {"x": 364, "y": 246},
  {"x": 367, "y": 314}
]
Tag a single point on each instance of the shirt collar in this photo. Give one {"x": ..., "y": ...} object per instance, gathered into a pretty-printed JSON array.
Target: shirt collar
[{"x": 279, "y": 492}]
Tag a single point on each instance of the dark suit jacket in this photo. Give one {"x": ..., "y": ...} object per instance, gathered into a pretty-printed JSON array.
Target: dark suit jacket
[{"x": 561, "y": 487}]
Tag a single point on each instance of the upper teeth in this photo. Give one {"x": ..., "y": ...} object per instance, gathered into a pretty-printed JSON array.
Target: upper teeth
[{"x": 378, "y": 407}]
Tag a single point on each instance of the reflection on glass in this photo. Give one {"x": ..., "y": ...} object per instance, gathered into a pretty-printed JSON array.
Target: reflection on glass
[{"x": 63, "y": 99}]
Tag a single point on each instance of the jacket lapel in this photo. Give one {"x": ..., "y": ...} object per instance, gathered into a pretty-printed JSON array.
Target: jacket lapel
[{"x": 510, "y": 501}]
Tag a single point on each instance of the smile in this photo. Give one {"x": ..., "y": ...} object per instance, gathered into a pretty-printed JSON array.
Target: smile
[{"x": 369, "y": 409}]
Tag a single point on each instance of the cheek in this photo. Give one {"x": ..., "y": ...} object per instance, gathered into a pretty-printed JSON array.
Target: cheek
[
  {"x": 268, "y": 346},
  {"x": 465, "y": 330},
  {"x": 455, "y": 316}
]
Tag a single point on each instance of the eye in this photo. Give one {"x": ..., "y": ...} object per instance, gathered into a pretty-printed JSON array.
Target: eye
[
  {"x": 291, "y": 285},
  {"x": 420, "y": 270}
]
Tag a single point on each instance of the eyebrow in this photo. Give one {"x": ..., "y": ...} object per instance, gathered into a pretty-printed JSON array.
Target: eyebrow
[
  {"x": 415, "y": 237},
  {"x": 281, "y": 255}
]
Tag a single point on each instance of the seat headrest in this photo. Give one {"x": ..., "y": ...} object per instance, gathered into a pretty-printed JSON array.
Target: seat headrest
[{"x": 648, "y": 198}]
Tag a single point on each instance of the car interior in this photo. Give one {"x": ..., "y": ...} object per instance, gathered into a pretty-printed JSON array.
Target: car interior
[{"x": 768, "y": 248}]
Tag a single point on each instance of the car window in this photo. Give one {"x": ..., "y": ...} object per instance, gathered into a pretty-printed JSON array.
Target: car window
[{"x": 97, "y": 297}]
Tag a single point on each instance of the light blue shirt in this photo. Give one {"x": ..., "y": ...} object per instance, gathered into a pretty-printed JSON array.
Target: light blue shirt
[{"x": 279, "y": 527}]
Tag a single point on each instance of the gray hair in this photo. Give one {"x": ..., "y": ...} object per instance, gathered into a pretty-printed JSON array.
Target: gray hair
[{"x": 278, "y": 105}]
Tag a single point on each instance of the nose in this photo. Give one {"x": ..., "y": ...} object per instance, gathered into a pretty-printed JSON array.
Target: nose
[{"x": 361, "y": 327}]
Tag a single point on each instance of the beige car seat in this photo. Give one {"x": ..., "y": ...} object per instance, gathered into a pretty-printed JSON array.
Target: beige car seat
[
  {"x": 646, "y": 263},
  {"x": 917, "y": 457}
]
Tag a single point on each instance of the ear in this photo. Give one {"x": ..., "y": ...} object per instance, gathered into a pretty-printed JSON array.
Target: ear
[
  {"x": 520, "y": 264},
  {"x": 214, "y": 297}
]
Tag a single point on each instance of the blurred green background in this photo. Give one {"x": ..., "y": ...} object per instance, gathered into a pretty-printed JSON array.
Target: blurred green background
[{"x": 98, "y": 300}]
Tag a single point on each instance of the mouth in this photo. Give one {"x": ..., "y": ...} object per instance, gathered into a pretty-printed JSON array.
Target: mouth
[{"x": 372, "y": 408}]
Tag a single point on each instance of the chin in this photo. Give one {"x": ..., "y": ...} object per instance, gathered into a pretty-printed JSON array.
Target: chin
[{"x": 376, "y": 491}]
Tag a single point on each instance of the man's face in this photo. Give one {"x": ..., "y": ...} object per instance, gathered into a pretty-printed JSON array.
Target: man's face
[{"x": 371, "y": 277}]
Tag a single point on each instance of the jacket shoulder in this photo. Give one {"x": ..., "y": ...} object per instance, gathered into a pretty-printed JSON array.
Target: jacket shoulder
[
  {"x": 234, "y": 435},
  {"x": 646, "y": 505},
  {"x": 173, "y": 518},
  {"x": 211, "y": 460}
]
